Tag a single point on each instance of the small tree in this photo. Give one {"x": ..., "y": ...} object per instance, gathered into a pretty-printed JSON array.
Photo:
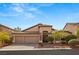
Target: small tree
[
  {"x": 4, "y": 36},
  {"x": 50, "y": 39},
  {"x": 18, "y": 29},
  {"x": 57, "y": 36}
]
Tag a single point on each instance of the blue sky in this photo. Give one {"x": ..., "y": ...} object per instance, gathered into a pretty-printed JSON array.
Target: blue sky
[{"x": 29, "y": 14}]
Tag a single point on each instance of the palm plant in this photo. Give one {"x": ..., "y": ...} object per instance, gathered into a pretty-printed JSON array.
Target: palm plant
[{"x": 57, "y": 36}]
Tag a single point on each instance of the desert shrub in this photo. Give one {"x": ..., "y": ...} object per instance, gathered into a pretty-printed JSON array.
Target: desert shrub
[
  {"x": 69, "y": 37},
  {"x": 73, "y": 42},
  {"x": 60, "y": 35},
  {"x": 50, "y": 39}
]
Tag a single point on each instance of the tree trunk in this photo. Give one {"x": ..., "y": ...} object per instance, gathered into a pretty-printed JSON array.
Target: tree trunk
[
  {"x": 1, "y": 44},
  {"x": 54, "y": 40}
]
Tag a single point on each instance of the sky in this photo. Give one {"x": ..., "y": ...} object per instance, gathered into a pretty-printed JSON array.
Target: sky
[{"x": 25, "y": 15}]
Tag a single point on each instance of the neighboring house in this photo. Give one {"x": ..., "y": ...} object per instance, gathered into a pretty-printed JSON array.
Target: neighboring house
[
  {"x": 6, "y": 29},
  {"x": 31, "y": 35},
  {"x": 71, "y": 27}
]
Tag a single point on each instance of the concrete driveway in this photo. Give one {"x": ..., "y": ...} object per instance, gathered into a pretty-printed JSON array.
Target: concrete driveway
[
  {"x": 24, "y": 47},
  {"x": 19, "y": 47}
]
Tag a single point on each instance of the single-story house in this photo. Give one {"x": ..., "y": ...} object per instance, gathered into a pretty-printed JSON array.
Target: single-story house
[
  {"x": 71, "y": 27},
  {"x": 33, "y": 34}
]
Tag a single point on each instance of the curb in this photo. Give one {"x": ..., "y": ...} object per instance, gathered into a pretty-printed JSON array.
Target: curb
[{"x": 36, "y": 49}]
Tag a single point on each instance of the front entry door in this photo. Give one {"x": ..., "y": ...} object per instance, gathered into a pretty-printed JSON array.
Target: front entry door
[{"x": 45, "y": 35}]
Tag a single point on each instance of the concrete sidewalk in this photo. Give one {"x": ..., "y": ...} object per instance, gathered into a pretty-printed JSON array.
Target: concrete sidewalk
[
  {"x": 21, "y": 49},
  {"x": 36, "y": 49}
]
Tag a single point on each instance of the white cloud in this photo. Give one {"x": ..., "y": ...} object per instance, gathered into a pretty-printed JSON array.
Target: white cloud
[
  {"x": 72, "y": 17},
  {"x": 18, "y": 9},
  {"x": 24, "y": 8},
  {"x": 29, "y": 15},
  {"x": 25, "y": 11},
  {"x": 45, "y": 4},
  {"x": 6, "y": 15},
  {"x": 33, "y": 9}
]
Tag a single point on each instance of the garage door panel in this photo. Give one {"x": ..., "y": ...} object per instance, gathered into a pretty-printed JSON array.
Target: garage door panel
[
  {"x": 31, "y": 39},
  {"x": 26, "y": 39},
  {"x": 19, "y": 39}
]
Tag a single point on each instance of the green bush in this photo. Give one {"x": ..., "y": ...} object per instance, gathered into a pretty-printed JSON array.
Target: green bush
[
  {"x": 69, "y": 37},
  {"x": 60, "y": 35},
  {"x": 4, "y": 37},
  {"x": 57, "y": 35},
  {"x": 73, "y": 42},
  {"x": 50, "y": 39}
]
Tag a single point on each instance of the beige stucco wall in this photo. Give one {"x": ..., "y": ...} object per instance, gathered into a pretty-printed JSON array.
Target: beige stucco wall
[
  {"x": 40, "y": 28},
  {"x": 45, "y": 28}
]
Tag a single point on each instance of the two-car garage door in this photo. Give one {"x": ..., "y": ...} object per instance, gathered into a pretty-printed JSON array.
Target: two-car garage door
[{"x": 24, "y": 39}]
